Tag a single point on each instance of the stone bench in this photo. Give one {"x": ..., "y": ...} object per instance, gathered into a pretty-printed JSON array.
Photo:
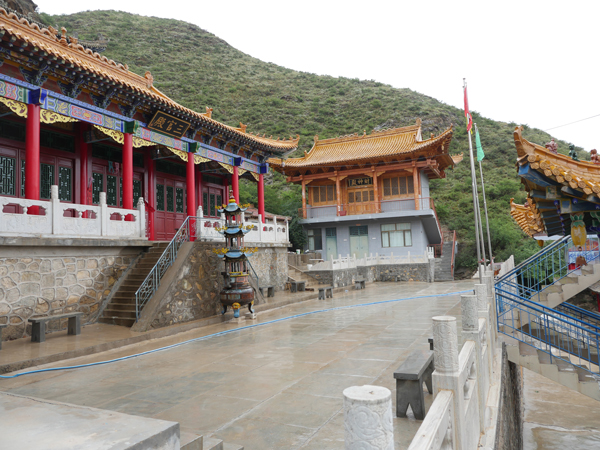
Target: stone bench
[
  {"x": 411, "y": 374},
  {"x": 270, "y": 291},
  {"x": 359, "y": 283},
  {"x": 326, "y": 291},
  {"x": 38, "y": 325},
  {"x": 4, "y": 325},
  {"x": 297, "y": 286}
]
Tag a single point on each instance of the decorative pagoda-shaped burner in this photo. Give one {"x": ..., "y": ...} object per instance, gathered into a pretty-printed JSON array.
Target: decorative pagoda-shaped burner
[{"x": 237, "y": 292}]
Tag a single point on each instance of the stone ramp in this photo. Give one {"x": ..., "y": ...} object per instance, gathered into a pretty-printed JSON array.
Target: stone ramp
[{"x": 28, "y": 423}]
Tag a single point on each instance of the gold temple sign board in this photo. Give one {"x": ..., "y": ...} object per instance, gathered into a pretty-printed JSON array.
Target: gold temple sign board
[
  {"x": 357, "y": 182},
  {"x": 166, "y": 124}
]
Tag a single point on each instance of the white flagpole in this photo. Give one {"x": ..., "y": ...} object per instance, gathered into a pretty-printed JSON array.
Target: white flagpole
[
  {"x": 474, "y": 188},
  {"x": 487, "y": 220}
]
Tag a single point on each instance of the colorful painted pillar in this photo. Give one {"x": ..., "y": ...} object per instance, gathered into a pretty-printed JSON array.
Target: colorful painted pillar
[
  {"x": 261, "y": 196},
  {"x": 127, "y": 171},
  {"x": 191, "y": 193},
  {"x": 32, "y": 156},
  {"x": 235, "y": 184}
]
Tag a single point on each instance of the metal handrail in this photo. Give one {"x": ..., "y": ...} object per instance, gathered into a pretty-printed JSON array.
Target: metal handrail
[
  {"x": 577, "y": 342},
  {"x": 543, "y": 269},
  {"x": 579, "y": 313},
  {"x": 150, "y": 285},
  {"x": 254, "y": 272}
]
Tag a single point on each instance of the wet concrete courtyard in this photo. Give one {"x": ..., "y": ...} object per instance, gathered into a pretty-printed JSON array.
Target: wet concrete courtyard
[{"x": 277, "y": 385}]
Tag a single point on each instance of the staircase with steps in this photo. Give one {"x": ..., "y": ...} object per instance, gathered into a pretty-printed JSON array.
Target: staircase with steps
[
  {"x": 542, "y": 333},
  {"x": 296, "y": 274},
  {"x": 443, "y": 264},
  {"x": 121, "y": 309},
  {"x": 195, "y": 442}
]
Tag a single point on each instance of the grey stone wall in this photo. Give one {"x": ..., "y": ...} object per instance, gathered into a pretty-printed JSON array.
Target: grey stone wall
[
  {"x": 509, "y": 430},
  {"x": 404, "y": 272},
  {"x": 40, "y": 285},
  {"x": 194, "y": 291}
]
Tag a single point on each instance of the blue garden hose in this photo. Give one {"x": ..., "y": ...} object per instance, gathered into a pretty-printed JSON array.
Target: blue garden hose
[{"x": 221, "y": 333}]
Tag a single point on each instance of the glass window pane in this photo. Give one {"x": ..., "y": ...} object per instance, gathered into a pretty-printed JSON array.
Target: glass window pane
[
  {"x": 7, "y": 175},
  {"x": 403, "y": 226},
  {"x": 137, "y": 192},
  {"x": 205, "y": 203},
  {"x": 315, "y": 195},
  {"x": 394, "y": 186},
  {"x": 396, "y": 238},
  {"x": 388, "y": 227},
  {"x": 213, "y": 208},
  {"x": 387, "y": 189},
  {"x": 311, "y": 243},
  {"x": 372, "y": 196},
  {"x": 407, "y": 238},
  {"x": 310, "y": 232},
  {"x": 357, "y": 197},
  {"x": 385, "y": 239},
  {"x": 402, "y": 181},
  {"x": 219, "y": 201},
  {"x": 323, "y": 194},
  {"x": 411, "y": 186},
  {"x": 170, "y": 203},
  {"x": 350, "y": 197}
]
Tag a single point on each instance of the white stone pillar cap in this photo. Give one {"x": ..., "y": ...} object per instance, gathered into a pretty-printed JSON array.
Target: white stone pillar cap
[{"x": 368, "y": 393}]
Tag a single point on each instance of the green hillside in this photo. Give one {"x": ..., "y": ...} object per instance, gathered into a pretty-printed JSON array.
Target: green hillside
[{"x": 197, "y": 69}]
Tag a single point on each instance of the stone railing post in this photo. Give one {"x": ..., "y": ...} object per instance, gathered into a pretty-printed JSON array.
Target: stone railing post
[
  {"x": 446, "y": 374},
  {"x": 483, "y": 310},
  {"x": 104, "y": 216},
  {"x": 474, "y": 329},
  {"x": 275, "y": 227},
  {"x": 287, "y": 231},
  {"x": 199, "y": 223},
  {"x": 488, "y": 279},
  {"x": 142, "y": 222},
  {"x": 55, "y": 210},
  {"x": 368, "y": 418}
]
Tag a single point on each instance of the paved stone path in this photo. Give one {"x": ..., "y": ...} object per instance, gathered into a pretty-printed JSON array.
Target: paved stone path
[{"x": 274, "y": 386}]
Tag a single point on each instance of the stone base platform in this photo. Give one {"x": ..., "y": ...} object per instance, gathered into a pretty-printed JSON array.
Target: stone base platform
[{"x": 28, "y": 422}]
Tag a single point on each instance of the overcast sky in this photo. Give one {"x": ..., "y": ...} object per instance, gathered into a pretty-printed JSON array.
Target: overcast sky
[{"x": 529, "y": 62}]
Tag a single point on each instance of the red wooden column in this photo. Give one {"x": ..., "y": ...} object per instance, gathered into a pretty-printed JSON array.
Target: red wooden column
[
  {"x": 303, "y": 198},
  {"x": 150, "y": 193},
  {"x": 83, "y": 166},
  {"x": 261, "y": 196},
  {"x": 376, "y": 191},
  {"x": 32, "y": 156},
  {"x": 416, "y": 187},
  {"x": 235, "y": 184},
  {"x": 190, "y": 179},
  {"x": 128, "y": 172},
  {"x": 338, "y": 193}
]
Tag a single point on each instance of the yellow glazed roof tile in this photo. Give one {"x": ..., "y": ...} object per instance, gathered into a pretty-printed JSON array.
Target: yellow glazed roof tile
[{"x": 46, "y": 39}]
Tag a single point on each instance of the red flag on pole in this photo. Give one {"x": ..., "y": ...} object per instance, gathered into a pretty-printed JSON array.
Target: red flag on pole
[{"x": 468, "y": 117}]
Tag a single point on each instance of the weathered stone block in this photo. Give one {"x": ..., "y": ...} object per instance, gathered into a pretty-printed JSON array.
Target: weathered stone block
[
  {"x": 86, "y": 283},
  {"x": 30, "y": 276},
  {"x": 92, "y": 264},
  {"x": 62, "y": 293},
  {"x": 57, "y": 264},
  {"x": 61, "y": 273},
  {"x": 82, "y": 274},
  {"x": 13, "y": 295},
  {"x": 3, "y": 270},
  {"x": 87, "y": 300},
  {"x": 69, "y": 280},
  {"x": 5, "y": 309},
  {"x": 20, "y": 267},
  {"x": 71, "y": 268},
  {"x": 46, "y": 266},
  {"x": 7, "y": 282},
  {"x": 42, "y": 307},
  {"x": 81, "y": 264},
  {"x": 29, "y": 289},
  {"x": 76, "y": 290},
  {"x": 47, "y": 280},
  {"x": 73, "y": 299},
  {"x": 48, "y": 294}
]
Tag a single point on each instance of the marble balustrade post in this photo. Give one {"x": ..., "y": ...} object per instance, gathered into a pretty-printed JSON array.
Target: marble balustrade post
[{"x": 368, "y": 418}]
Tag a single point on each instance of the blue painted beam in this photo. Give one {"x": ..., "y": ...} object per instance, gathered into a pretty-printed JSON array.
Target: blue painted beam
[{"x": 525, "y": 171}]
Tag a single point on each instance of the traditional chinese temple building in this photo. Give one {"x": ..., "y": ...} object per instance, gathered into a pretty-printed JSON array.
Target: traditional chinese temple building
[
  {"x": 364, "y": 194},
  {"x": 72, "y": 118},
  {"x": 560, "y": 190}
]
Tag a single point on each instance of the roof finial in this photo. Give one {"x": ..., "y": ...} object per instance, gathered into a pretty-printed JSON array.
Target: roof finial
[
  {"x": 63, "y": 36},
  {"x": 316, "y": 138},
  {"x": 149, "y": 79},
  {"x": 243, "y": 127},
  {"x": 208, "y": 112}
]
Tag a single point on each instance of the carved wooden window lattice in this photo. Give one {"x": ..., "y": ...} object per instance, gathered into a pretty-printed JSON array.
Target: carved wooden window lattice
[
  {"x": 205, "y": 203},
  {"x": 8, "y": 179},
  {"x": 322, "y": 195},
  {"x": 160, "y": 197},
  {"x": 179, "y": 200},
  {"x": 46, "y": 181},
  {"x": 111, "y": 190},
  {"x": 97, "y": 187},
  {"x": 398, "y": 186},
  {"x": 137, "y": 192},
  {"x": 65, "y": 184},
  {"x": 170, "y": 199}
]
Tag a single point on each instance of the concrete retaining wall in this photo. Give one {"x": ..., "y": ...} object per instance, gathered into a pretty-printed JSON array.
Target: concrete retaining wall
[
  {"x": 509, "y": 431},
  {"x": 386, "y": 272}
]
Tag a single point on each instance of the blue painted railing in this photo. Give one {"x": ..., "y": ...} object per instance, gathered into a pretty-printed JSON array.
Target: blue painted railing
[
  {"x": 545, "y": 268},
  {"x": 559, "y": 335},
  {"x": 581, "y": 314}
]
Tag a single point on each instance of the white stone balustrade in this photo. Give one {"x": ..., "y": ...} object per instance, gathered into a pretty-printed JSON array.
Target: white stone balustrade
[
  {"x": 269, "y": 232},
  {"x": 368, "y": 418},
  {"x": 101, "y": 221},
  {"x": 351, "y": 262}
]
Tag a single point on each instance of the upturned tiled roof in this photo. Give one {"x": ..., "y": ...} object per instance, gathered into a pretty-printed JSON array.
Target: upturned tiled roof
[
  {"x": 355, "y": 148},
  {"x": 527, "y": 217},
  {"x": 68, "y": 50}
]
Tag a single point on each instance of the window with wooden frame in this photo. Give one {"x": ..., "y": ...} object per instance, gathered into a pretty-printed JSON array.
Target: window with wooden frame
[
  {"x": 396, "y": 235},
  {"x": 398, "y": 187},
  {"x": 322, "y": 195}
]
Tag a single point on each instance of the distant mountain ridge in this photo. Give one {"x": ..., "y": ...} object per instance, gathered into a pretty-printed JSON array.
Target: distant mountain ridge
[{"x": 198, "y": 69}]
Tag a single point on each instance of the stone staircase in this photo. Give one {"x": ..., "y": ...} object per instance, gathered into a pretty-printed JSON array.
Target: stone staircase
[
  {"x": 194, "y": 442},
  {"x": 121, "y": 309},
  {"x": 443, "y": 265},
  {"x": 296, "y": 274},
  {"x": 560, "y": 371},
  {"x": 568, "y": 286}
]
